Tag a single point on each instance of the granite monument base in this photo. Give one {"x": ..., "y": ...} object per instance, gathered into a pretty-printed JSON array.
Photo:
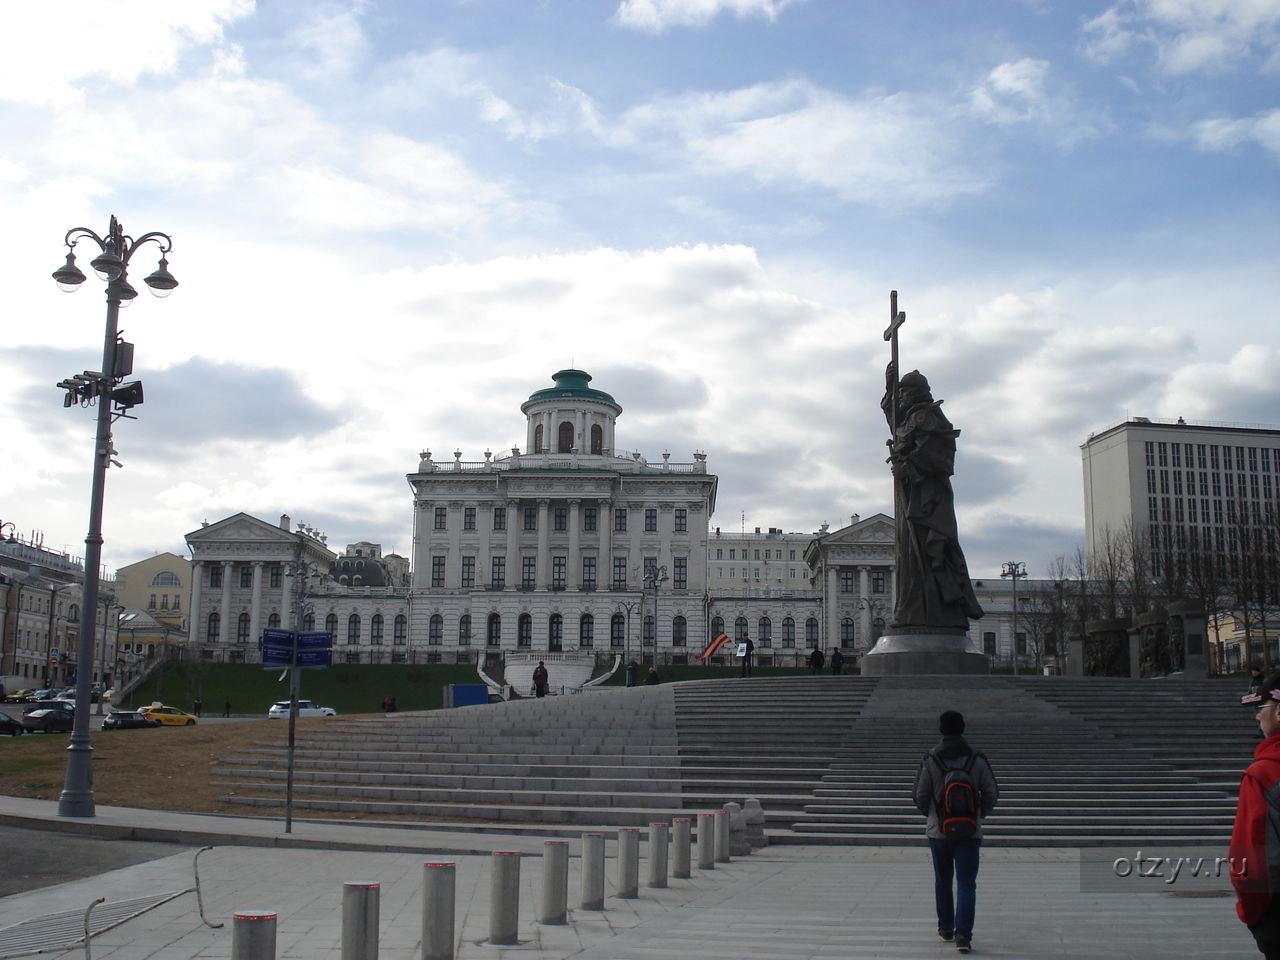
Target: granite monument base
[{"x": 907, "y": 651}]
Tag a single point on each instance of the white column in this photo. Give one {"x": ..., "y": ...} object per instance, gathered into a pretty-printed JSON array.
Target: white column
[
  {"x": 833, "y": 619},
  {"x": 193, "y": 613},
  {"x": 863, "y": 580},
  {"x": 544, "y": 545},
  {"x": 425, "y": 521},
  {"x": 583, "y": 444},
  {"x": 514, "y": 520},
  {"x": 255, "y": 610},
  {"x": 605, "y": 575},
  {"x": 484, "y": 530},
  {"x": 574, "y": 560},
  {"x": 226, "y": 602}
]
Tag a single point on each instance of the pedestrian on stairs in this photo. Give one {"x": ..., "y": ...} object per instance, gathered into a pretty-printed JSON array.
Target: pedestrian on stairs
[
  {"x": 816, "y": 661},
  {"x": 956, "y": 790},
  {"x": 1255, "y": 848},
  {"x": 541, "y": 680},
  {"x": 837, "y": 662}
]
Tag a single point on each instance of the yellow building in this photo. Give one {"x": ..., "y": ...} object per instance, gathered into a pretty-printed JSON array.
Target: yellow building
[{"x": 159, "y": 585}]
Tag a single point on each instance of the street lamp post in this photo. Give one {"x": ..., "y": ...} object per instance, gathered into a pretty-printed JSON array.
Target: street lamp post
[
  {"x": 627, "y": 605},
  {"x": 654, "y": 580},
  {"x": 1014, "y": 570},
  {"x": 114, "y": 400}
]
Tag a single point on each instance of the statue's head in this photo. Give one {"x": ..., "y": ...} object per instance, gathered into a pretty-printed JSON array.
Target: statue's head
[{"x": 913, "y": 388}]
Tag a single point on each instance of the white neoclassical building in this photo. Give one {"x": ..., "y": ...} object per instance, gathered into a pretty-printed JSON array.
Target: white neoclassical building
[{"x": 549, "y": 549}]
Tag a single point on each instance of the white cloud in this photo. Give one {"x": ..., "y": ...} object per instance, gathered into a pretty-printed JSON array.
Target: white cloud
[
  {"x": 48, "y": 51},
  {"x": 881, "y": 149},
  {"x": 1014, "y": 92},
  {"x": 1188, "y": 35},
  {"x": 654, "y": 16},
  {"x": 1245, "y": 388},
  {"x": 1223, "y": 133}
]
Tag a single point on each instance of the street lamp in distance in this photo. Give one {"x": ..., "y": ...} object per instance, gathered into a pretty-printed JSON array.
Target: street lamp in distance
[{"x": 1014, "y": 570}]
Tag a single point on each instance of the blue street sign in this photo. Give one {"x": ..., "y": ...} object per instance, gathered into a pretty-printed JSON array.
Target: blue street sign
[
  {"x": 277, "y": 657},
  {"x": 315, "y": 658},
  {"x": 315, "y": 641},
  {"x": 277, "y": 638}
]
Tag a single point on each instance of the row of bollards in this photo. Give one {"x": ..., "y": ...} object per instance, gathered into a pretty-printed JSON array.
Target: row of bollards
[{"x": 254, "y": 933}]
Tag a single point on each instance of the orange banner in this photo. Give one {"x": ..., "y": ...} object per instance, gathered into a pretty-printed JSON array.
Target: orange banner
[{"x": 714, "y": 645}]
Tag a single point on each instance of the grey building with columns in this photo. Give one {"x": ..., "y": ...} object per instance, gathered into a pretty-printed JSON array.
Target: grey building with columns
[{"x": 548, "y": 549}]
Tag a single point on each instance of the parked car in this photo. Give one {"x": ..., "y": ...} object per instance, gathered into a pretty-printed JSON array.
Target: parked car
[
  {"x": 45, "y": 694},
  {"x": 127, "y": 720},
  {"x": 18, "y": 696},
  {"x": 169, "y": 716},
  {"x": 10, "y": 726},
  {"x": 280, "y": 710},
  {"x": 48, "y": 720},
  {"x": 68, "y": 705}
]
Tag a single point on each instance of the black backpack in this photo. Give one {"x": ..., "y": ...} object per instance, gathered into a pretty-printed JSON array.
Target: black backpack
[{"x": 957, "y": 799}]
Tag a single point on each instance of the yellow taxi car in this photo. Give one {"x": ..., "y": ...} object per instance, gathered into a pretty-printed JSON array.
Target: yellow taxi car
[{"x": 169, "y": 716}]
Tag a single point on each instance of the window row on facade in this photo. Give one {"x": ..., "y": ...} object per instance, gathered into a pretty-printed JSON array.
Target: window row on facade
[
  {"x": 559, "y": 518},
  {"x": 354, "y": 628},
  {"x": 590, "y": 573},
  {"x": 243, "y": 573},
  {"x": 1210, "y": 457},
  {"x": 553, "y": 632}
]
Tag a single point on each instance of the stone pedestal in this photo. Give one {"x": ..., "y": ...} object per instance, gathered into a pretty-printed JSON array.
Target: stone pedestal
[{"x": 908, "y": 651}]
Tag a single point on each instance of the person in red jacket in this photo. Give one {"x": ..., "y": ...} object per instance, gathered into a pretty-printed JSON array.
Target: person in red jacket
[{"x": 1255, "y": 839}]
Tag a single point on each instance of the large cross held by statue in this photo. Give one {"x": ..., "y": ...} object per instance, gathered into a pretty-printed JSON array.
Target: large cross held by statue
[{"x": 896, "y": 319}]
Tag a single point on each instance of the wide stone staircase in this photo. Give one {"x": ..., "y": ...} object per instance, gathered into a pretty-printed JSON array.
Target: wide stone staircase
[
  {"x": 1080, "y": 762},
  {"x": 832, "y": 759}
]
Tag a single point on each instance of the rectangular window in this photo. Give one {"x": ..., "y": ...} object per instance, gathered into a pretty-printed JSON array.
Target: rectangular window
[
  {"x": 619, "y": 573},
  {"x": 1240, "y": 459},
  {"x": 1151, "y": 481},
  {"x": 1191, "y": 511},
  {"x": 1165, "y": 512},
  {"x": 529, "y": 572},
  {"x": 651, "y": 520},
  {"x": 1214, "y": 463},
  {"x": 275, "y": 576},
  {"x": 151, "y": 604},
  {"x": 1177, "y": 454},
  {"x": 877, "y": 581},
  {"x": 469, "y": 518},
  {"x": 1191, "y": 483},
  {"x": 588, "y": 573},
  {"x": 733, "y": 555},
  {"x": 755, "y": 573},
  {"x": 437, "y": 571},
  {"x": 1177, "y": 483},
  {"x": 1164, "y": 480},
  {"x": 680, "y": 580},
  {"x": 719, "y": 554},
  {"x": 562, "y": 518},
  {"x": 1151, "y": 453},
  {"x": 1231, "y": 485},
  {"x": 246, "y": 577},
  {"x": 589, "y": 518},
  {"x": 1253, "y": 459},
  {"x": 793, "y": 573},
  {"x": 620, "y": 519},
  {"x": 757, "y": 554},
  {"x": 650, "y": 567},
  {"x": 442, "y": 518},
  {"x": 558, "y": 565},
  {"x": 498, "y": 580},
  {"x": 1217, "y": 511},
  {"x": 1266, "y": 486},
  {"x": 531, "y": 518},
  {"x": 1163, "y": 452},
  {"x": 1177, "y": 510},
  {"x": 847, "y": 580},
  {"x": 793, "y": 554},
  {"x": 1266, "y": 460},
  {"x": 1253, "y": 486},
  {"x": 1201, "y": 462},
  {"x": 1217, "y": 484},
  {"x": 682, "y": 521},
  {"x": 733, "y": 573},
  {"x": 468, "y": 573},
  {"x": 719, "y": 573},
  {"x": 499, "y": 518}
]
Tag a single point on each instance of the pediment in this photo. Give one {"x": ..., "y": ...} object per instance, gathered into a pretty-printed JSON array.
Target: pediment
[
  {"x": 241, "y": 527},
  {"x": 875, "y": 529}
]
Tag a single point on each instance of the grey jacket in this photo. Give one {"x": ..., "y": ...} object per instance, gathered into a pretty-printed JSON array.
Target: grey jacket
[{"x": 953, "y": 752}]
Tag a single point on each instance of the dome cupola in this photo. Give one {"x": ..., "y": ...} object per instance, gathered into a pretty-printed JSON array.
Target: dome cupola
[{"x": 570, "y": 417}]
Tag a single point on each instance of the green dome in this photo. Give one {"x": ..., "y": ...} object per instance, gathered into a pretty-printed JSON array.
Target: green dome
[{"x": 573, "y": 384}]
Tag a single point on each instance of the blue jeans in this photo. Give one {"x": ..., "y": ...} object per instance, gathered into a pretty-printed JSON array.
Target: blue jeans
[{"x": 961, "y": 858}]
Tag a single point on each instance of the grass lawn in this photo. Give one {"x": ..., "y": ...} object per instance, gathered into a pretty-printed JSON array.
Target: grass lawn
[{"x": 348, "y": 688}]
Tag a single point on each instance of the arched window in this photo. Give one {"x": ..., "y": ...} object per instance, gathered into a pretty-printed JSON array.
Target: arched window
[
  {"x": 401, "y": 627},
  {"x": 764, "y": 632},
  {"x": 151, "y": 650},
  {"x": 537, "y": 439},
  {"x": 308, "y": 622},
  {"x": 679, "y": 632},
  {"x": 740, "y": 629},
  {"x": 650, "y": 632},
  {"x": 597, "y": 439},
  {"x": 213, "y": 634},
  {"x": 811, "y": 632},
  {"x": 435, "y": 630},
  {"x": 877, "y": 627},
  {"x": 375, "y": 629},
  {"x": 242, "y": 629},
  {"x": 617, "y": 630},
  {"x": 353, "y": 628},
  {"x": 74, "y": 614},
  {"x": 847, "y": 632},
  {"x": 464, "y": 629},
  {"x": 166, "y": 579},
  {"x": 566, "y": 438},
  {"x": 788, "y": 633},
  {"x": 273, "y": 622},
  {"x": 586, "y": 630},
  {"x": 524, "y": 631},
  {"x": 331, "y": 624},
  {"x": 555, "y": 631},
  {"x": 717, "y": 627},
  {"x": 495, "y": 630}
]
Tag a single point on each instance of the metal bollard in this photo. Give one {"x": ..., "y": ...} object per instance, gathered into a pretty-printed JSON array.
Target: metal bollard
[
  {"x": 253, "y": 936},
  {"x": 657, "y": 855},
  {"x": 593, "y": 871},
  {"x": 439, "y": 885},
  {"x": 555, "y": 882},
  {"x": 360, "y": 921},
  {"x": 504, "y": 898},
  {"x": 706, "y": 841},
  {"x": 628, "y": 863},
  {"x": 722, "y": 836},
  {"x": 680, "y": 848}
]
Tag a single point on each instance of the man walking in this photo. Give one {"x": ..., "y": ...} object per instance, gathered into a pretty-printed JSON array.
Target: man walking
[
  {"x": 541, "y": 680},
  {"x": 1254, "y": 844},
  {"x": 837, "y": 662},
  {"x": 816, "y": 661},
  {"x": 956, "y": 790}
]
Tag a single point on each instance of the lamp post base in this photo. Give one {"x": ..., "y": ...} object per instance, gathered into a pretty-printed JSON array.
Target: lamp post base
[
  {"x": 76, "y": 799},
  {"x": 939, "y": 651}
]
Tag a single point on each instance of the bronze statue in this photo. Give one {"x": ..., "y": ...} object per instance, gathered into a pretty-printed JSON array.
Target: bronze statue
[{"x": 933, "y": 588}]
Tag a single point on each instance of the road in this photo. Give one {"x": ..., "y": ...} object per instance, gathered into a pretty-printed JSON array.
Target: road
[{"x": 30, "y": 859}]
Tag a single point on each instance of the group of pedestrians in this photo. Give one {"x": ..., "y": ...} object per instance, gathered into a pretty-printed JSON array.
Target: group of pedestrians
[{"x": 818, "y": 660}]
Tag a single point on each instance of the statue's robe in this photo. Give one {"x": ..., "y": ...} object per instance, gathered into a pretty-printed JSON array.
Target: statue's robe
[{"x": 933, "y": 588}]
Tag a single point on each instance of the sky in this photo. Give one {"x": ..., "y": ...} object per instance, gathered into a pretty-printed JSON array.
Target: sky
[{"x": 393, "y": 221}]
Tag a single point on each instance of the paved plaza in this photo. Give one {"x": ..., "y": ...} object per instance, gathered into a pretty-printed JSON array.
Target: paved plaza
[{"x": 785, "y": 902}]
